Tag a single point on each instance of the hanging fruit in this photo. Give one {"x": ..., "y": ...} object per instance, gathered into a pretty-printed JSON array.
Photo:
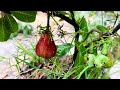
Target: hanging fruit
[{"x": 46, "y": 47}]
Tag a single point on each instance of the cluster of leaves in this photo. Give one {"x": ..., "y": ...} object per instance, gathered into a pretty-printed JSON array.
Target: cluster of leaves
[
  {"x": 9, "y": 25},
  {"x": 97, "y": 55}
]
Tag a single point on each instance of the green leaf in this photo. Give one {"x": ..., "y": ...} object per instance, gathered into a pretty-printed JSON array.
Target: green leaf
[
  {"x": 80, "y": 74},
  {"x": 4, "y": 32},
  {"x": 79, "y": 59},
  {"x": 63, "y": 49},
  {"x": 25, "y": 16},
  {"x": 80, "y": 56},
  {"x": 27, "y": 30},
  {"x": 10, "y": 23},
  {"x": 102, "y": 28},
  {"x": 63, "y": 12},
  {"x": 83, "y": 26}
]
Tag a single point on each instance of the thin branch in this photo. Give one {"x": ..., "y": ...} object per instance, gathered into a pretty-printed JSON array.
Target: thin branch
[
  {"x": 67, "y": 19},
  {"x": 93, "y": 30},
  {"x": 106, "y": 34},
  {"x": 116, "y": 29},
  {"x": 116, "y": 18},
  {"x": 59, "y": 26}
]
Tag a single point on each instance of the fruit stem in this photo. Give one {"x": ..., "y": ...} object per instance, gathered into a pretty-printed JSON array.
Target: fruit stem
[{"x": 48, "y": 20}]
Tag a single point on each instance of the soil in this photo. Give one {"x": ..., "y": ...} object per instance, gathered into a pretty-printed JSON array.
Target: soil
[{"x": 25, "y": 74}]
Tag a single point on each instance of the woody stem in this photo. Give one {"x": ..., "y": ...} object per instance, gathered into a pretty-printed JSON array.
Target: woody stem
[{"x": 48, "y": 20}]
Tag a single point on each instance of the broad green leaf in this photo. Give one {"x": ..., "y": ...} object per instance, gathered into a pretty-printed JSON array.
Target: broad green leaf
[
  {"x": 25, "y": 16},
  {"x": 102, "y": 28},
  {"x": 83, "y": 26},
  {"x": 10, "y": 23},
  {"x": 63, "y": 49},
  {"x": 4, "y": 32}
]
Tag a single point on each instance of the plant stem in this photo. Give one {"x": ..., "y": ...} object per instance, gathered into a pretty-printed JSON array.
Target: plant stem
[
  {"x": 48, "y": 20},
  {"x": 76, "y": 37}
]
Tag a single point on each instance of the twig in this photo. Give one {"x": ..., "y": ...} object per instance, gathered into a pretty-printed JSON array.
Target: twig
[
  {"x": 67, "y": 19},
  {"x": 5, "y": 76},
  {"x": 93, "y": 30},
  {"x": 26, "y": 72},
  {"x": 59, "y": 27},
  {"x": 106, "y": 34},
  {"x": 116, "y": 29},
  {"x": 55, "y": 21},
  {"x": 30, "y": 70},
  {"x": 116, "y": 18}
]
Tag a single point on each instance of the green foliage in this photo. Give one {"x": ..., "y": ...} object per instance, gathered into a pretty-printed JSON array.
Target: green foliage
[
  {"x": 83, "y": 27},
  {"x": 102, "y": 28},
  {"x": 26, "y": 28},
  {"x": 80, "y": 56},
  {"x": 8, "y": 24},
  {"x": 27, "y": 31},
  {"x": 91, "y": 63},
  {"x": 25, "y": 16},
  {"x": 4, "y": 32},
  {"x": 63, "y": 49},
  {"x": 100, "y": 60}
]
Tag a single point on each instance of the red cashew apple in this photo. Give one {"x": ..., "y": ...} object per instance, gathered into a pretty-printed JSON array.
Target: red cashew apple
[{"x": 46, "y": 47}]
